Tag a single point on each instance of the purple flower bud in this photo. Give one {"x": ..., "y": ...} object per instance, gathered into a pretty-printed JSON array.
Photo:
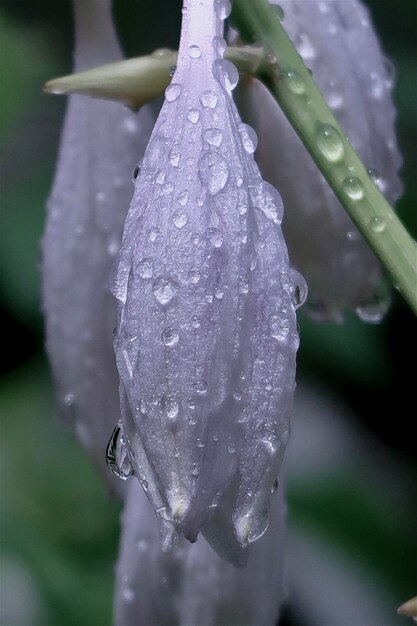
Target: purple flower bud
[
  {"x": 337, "y": 42},
  {"x": 193, "y": 585},
  {"x": 100, "y": 144},
  {"x": 207, "y": 333}
]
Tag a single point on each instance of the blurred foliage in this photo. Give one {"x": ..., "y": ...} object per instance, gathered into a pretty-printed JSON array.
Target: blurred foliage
[{"x": 56, "y": 519}]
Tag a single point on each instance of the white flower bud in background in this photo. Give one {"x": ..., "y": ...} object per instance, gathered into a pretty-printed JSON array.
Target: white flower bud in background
[
  {"x": 337, "y": 42},
  {"x": 207, "y": 333},
  {"x": 193, "y": 585},
  {"x": 100, "y": 145}
]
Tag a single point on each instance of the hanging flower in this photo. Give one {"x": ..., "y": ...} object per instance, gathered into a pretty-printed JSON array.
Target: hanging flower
[
  {"x": 337, "y": 42},
  {"x": 99, "y": 145},
  {"x": 194, "y": 585},
  {"x": 207, "y": 335}
]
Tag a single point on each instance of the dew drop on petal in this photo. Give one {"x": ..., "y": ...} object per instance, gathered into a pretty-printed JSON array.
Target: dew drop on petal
[
  {"x": 194, "y": 52},
  {"x": 164, "y": 289},
  {"x": 248, "y": 137},
  {"x": 172, "y": 92},
  {"x": 214, "y": 171},
  {"x": 145, "y": 268},
  {"x": 222, "y": 8},
  {"x": 215, "y": 237},
  {"x": 219, "y": 45},
  {"x": 201, "y": 387},
  {"x": 180, "y": 219},
  {"x": 117, "y": 456},
  {"x": 213, "y": 136},
  {"x": 279, "y": 327},
  {"x": 193, "y": 116},
  {"x": 170, "y": 406},
  {"x": 170, "y": 336},
  {"x": 209, "y": 100},
  {"x": 226, "y": 73}
]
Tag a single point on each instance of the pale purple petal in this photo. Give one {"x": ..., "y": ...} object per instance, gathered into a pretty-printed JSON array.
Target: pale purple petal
[
  {"x": 193, "y": 585},
  {"x": 100, "y": 144},
  {"x": 337, "y": 42},
  {"x": 207, "y": 332}
]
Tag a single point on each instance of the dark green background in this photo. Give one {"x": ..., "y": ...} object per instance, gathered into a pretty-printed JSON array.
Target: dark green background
[{"x": 56, "y": 521}]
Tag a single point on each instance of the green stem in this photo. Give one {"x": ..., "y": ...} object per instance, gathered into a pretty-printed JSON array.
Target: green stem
[{"x": 294, "y": 89}]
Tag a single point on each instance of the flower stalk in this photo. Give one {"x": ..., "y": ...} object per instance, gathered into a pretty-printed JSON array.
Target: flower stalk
[{"x": 294, "y": 88}]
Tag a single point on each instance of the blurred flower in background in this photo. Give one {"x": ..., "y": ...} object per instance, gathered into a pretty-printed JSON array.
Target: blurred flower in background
[{"x": 350, "y": 472}]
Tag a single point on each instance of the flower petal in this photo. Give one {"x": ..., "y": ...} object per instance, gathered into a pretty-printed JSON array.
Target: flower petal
[
  {"x": 193, "y": 585},
  {"x": 207, "y": 332},
  {"x": 337, "y": 42},
  {"x": 99, "y": 145}
]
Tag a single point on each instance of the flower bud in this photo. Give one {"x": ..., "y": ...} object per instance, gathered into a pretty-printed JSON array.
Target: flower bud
[
  {"x": 99, "y": 145},
  {"x": 337, "y": 42},
  {"x": 207, "y": 333}
]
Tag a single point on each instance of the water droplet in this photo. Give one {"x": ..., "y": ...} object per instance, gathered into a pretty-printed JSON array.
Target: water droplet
[
  {"x": 209, "y": 100},
  {"x": 159, "y": 177},
  {"x": 213, "y": 136},
  {"x": 143, "y": 407},
  {"x": 274, "y": 486},
  {"x": 231, "y": 448},
  {"x": 377, "y": 224},
  {"x": 215, "y": 237},
  {"x": 305, "y": 47},
  {"x": 172, "y": 70},
  {"x": 295, "y": 83},
  {"x": 330, "y": 143},
  {"x": 194, "y": 275},
  {"x": 170, "y": 406},
  {"x": 377, "y": 306},
  {"x": 136, "y": 171},
  {"x": 352, "y": 186},
  {"x": 266, "y": 198},
  {"x": 193, "y": 115},
  {"x": 219, "y": 45},
  {"x": 174, "y": 158},
  {"x": 248, "y": 138},
  {"x": 222, "y": 8},
  {"x": 243, "y": 286},
  {"x": 279, "y": 327},
  {"x": 219, "y": 293},
  {"x": 154, "y": 234},
  {"x": 201, "y": 387},
  {"x": 226, "y": 73},
  {"x": 214, "y": 171},
  {"x": 237, "y": 396},
  {"x": 164, "y": 289},
  {"x": 278, "y": 11},
  {"x": 145, "y": 268},
  {"x": 167, "y": 189},
  {"x": 296, "y": 287},
  {"x": 182, "y": 198},
  {"x": 195, "y": 321},
  {"x": 180, "y": 219},
  {"x": 170, "y": 336},
  {"x": 194, "y": 52},
  {"x": 117, "y": 456},
  {"x": 172, "y": 91}
]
